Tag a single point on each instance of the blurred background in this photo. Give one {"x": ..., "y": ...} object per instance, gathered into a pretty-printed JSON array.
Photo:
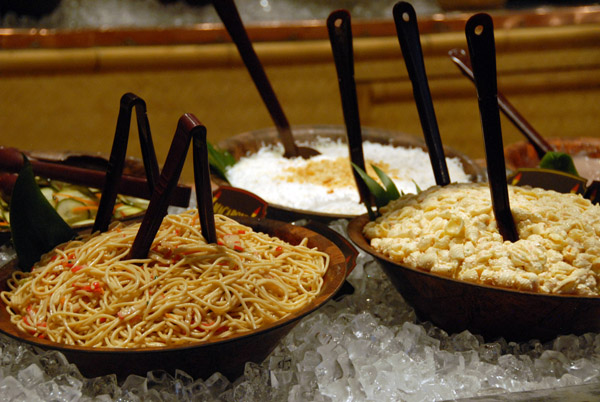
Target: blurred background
[{"x": 64, "y": 65}]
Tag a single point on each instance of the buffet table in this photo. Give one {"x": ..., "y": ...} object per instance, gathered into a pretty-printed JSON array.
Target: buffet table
[{"x": 368, "y": 345}]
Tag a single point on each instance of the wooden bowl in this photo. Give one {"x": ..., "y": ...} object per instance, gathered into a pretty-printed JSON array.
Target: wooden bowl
[
  {"x": 492, "y": 312},
  {"x": 248, "y": 143},
  {"x": 132, "y": 167},
  {"x": 227, "y": 356}
]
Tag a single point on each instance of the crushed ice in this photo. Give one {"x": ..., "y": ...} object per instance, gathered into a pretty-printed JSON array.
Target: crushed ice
[
  {"x": 78, "y": 14},
  {"x": 366, "y": 347}
]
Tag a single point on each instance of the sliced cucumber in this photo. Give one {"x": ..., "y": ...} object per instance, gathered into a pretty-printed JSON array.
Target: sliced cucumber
[
  {"x": 49, "y": 194},
  {"x": 72, "y": 210},
  {"x": 126, "y": 210},
  {"x": 84, "y": 222},
  {"x": 4, "y": 216},
  {"x": 72, "y": 193}
]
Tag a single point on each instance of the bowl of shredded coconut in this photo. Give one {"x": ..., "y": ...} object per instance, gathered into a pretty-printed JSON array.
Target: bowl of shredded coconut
[
  {"x": 442, "y": 250},
  {"x": 323, "y": 187}
]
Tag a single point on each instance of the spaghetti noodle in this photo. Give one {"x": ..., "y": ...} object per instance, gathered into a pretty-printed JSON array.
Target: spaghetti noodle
[{"x": 86, "y": 293}]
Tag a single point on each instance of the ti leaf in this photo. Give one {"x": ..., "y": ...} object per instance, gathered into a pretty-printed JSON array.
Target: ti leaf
[
  {"x": 381, "y": 195},
  {"x": 417, "y": 187},
  {"x": 219, "y": 161},
  {"x": 558, "y": 161},
  {"x": 390, "y": 188},
  {"x": 378, "y": 192},
  {"x": 370, "y": 211},
  {"x": 36, "y": 227}
]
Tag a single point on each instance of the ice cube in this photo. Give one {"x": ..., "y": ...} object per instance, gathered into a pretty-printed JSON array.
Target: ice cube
[
  {"x": 584, "y": 369},
  {"x": 135, "y": 384},
  {"x": 12, "y": 390},
  {"x": 464, "y": 341},
  {"x": 217, "y": 383},
  {"x": 101, "y": 385},
  {"x": 31, "y": 376}
]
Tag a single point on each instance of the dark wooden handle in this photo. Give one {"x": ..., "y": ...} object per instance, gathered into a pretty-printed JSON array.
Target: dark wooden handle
[
  {"x": 146, "y": 144},
  {"x": 340, "y": 36},
  {"x": 188, "y": 127},
  {"x": 116, "y": 162},
  {"x": 407, "y": 30},
  {"x": 230, "y": 17},
  {"x": 480, "y": 38},
  {"x": 204, "y": 197},
  {"x": 11, "y": 161}
]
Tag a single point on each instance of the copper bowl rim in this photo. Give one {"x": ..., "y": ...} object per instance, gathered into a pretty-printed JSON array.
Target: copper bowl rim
[{"x": 337, "y": 262}]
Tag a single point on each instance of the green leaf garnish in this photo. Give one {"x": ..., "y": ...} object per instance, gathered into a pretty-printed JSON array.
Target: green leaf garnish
[
  {"x": 382, "y": 195},
  {"x": 370, "y": 211},
  {"x": 378, "y": 192},
  {"x": 35, "y": 226},
  {"x": 417, "y": 187},
  {"x": 390, "y": 188},
  {"x": 219, "y": 161},
  {"x": 559, "y": 161}
]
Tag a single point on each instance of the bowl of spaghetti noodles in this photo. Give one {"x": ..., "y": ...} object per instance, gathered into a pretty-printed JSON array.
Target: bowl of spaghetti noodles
[{"x": 189, "y": 305}]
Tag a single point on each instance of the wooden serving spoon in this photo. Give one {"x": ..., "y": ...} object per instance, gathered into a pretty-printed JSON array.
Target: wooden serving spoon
[
  {"x": 407, "y": 30},
  {"x": 480, "y": 38},
  {"x": 233, "y": 23}
]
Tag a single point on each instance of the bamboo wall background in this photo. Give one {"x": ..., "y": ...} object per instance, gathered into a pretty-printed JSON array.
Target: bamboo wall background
[{"x": 68, "y": 98}]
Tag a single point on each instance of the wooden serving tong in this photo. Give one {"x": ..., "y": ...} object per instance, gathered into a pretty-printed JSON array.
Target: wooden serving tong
[
  {"x": 189, "y": 129},
  {"x": 112, "y": 181}
]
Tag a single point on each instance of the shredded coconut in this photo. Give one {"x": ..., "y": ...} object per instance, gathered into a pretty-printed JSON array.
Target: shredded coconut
[{"x": 325, "y": 183}]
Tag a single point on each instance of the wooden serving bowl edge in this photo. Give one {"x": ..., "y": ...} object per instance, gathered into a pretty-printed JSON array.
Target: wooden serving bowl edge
[
  {"x": 492, "y": 312},
  {"x": 250, "y": 142},
  {"x": 227, "y": 356}
]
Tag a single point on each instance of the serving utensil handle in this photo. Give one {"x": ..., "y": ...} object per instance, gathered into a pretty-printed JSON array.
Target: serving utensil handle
[
  {"x": 188, "y": 127},
  {"x": 230, "y": 17},
  {"x": 114, "y": 170},
  {"x": 340, "y": 37},
  {"x": 541, "y": 146},
  {"x": 479, "y": 31},
  {"x": 407, "y": 30},
  {"x": 204, "y": 196},
  {"x": 11, "y": 160}
]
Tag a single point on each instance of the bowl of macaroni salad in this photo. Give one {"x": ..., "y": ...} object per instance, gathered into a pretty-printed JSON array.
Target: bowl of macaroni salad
[{"x": 442, "y": 250}]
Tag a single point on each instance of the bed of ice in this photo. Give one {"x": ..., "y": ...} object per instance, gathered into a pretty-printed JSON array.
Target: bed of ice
[
  {"x": 77, "y": 14},
  {"x": 366, "y": 347}
]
